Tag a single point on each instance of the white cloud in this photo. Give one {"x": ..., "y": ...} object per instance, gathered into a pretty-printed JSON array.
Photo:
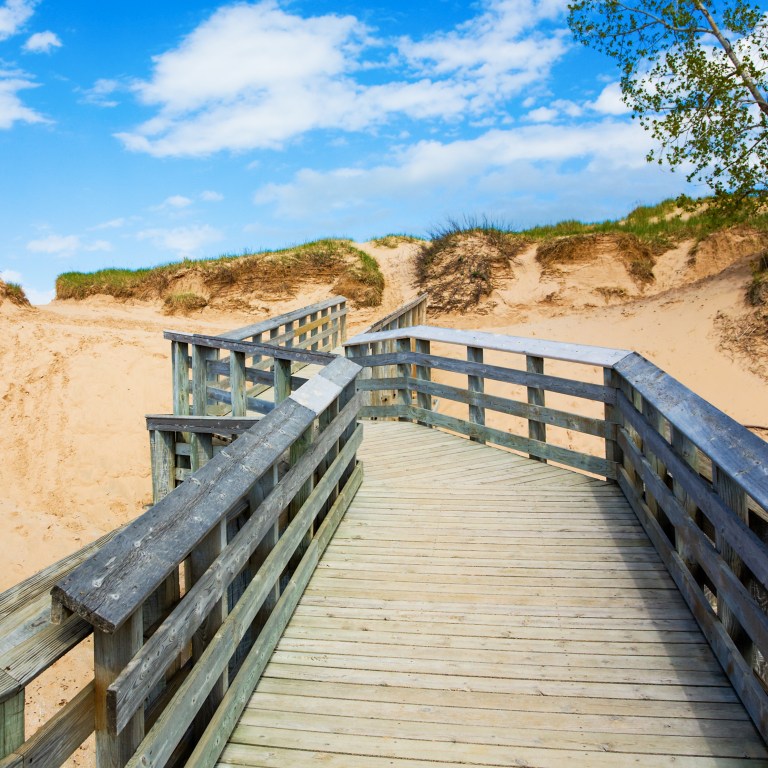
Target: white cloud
[
  {"x": 101, "y": 93},
  {"x": 13, "y": 15},
  {"x": 209, "y": 196},
  {"x": 609, "y": 102},
  {"x": 254, "y": 76},
  {"x": 176, "y": 201},
  {"x": 183, "y": 241},
  {"x": 112, "y": 224},
  {"x": 428, "y": 168},
  {"x": 42, "y": 42},
  {"x": 66, "y": 245},
  {"x": 10, "y": 276},
  {"x": 55, "y": 244},
  {"x": 12, "y": 110},
  {"x": 37, "y": 297},
  {"x": 542, "y": 115}
]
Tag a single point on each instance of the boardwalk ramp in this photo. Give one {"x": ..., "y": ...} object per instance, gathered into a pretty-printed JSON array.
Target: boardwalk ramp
[{"x": 479, "y": 608}]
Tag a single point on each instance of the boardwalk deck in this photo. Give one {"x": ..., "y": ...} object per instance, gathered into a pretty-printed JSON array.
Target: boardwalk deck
[{"x": 479, "y": 608}]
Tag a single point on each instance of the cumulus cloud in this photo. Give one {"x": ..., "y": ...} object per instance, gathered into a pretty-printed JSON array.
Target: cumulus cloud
[
  {"x": 183, "y": 241},
  {"x": 42, "y": 42},
  {"x": 12, "y": 110},
  {"x": 10, "y": 276},
  {"x": 209, "y": 196},
  {"x": 176, "y": 201},
  {"x": 66, "y": 245},
  {"x": 427, "y": 168},
  {"x": 13, "y": 15},
  {"x": 610, "y": 102},
  {"x": 255, "y": 76}
]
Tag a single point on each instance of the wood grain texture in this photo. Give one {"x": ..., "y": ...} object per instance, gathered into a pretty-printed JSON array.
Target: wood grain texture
[{"x": 395, "y": 657}]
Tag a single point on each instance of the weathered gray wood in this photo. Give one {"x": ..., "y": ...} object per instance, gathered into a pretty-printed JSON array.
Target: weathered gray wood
[
  {"x": 557, "y": 418},
  {"x": 111, "y": 652},
  {"x": 11, "y": 723},
  {"x": 391, "y": 321},
  {"x": 214, "y": 425},
  {"x": 275, "y": 322},
  {"x": 237, "y": 383},
  {"x": 739, "y": 453},
  {"x": 476, "y": 384},
  {"x": 422, "y": 372},
  {"x": 403, "y": 394},
  {"x": 687, "y": 451},
  {"x": 736, "y": 500},
  {"x": 132, "y": 686},
  {"x": 596, "y": 464},
  {"x": 729, "y": 526},
  {"x": 209, "y": 748},
  {"x": 105, "y": 589},
  {"x": 31, "y": 657},
  {"x": 282, "y": 380},
  {"x": 181, "y": 389},
  {"x": 730, "y": 590},
  {"x": 163, "y": 457},
  {"x": 251, "y": 403},
  {"x": 739, "y": 673},
  {"x": 251, "y": 348},
  {"x": 170, "y": 726},
  {"x": 55, "y": 741},
  {"x": 254, "y": 375},
  {"x": 200, "y": 356},
  {"x": 536, "y": 429},
  {"x": 612, "y": 452},
  {"x": 574, "y": 353},
  {"x": 563, "y": 386},
  {"x": 202, "y": 450}
]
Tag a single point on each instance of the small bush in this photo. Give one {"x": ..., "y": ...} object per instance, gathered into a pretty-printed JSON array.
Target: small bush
[
  {"x": 393, "y": 241},
  {"x": 183, "y": 303},
  {"x": 15, "y": 294}
]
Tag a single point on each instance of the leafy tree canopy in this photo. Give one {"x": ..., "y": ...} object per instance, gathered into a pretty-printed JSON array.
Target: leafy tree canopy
[{"x": 694, "y": 73}]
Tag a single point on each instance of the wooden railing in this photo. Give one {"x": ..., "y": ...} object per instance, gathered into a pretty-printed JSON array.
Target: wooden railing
[
  {"x": 413, "y": 312},
  {"x": 223, "y": 384},
  {"x": 410, "y": 353},
  {"x": 697, "y": 480},
  {"x": 188, "y": 601}
]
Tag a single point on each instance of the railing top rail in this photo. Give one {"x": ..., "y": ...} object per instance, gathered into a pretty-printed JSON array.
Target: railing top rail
[
  {"x": 275, "y": 322},
  {"x": 556, "y": 350},
  {"x": 732, "y": 447},
  {"x": 379, "y": 324},
  {"x": 252, "y": 347},
  {"x": 109, "y": 587}
]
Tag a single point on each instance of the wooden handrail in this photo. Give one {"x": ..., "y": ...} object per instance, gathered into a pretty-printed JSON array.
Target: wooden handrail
[
  {"x": 413, "y": 312},
  {"x": 272, "y": 323},
  {"x": 554, "y": 350}
]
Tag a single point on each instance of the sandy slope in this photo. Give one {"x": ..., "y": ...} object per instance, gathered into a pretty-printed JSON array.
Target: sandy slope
[{"x": 76, "y": 380}]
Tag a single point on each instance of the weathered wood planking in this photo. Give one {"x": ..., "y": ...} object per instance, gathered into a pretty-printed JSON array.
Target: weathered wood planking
[
  {"x": 389, "y": 660},
  {"x": 106, "y": 588}
]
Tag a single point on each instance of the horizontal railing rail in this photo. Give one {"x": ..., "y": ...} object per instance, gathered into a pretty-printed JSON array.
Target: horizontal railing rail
[
  {"x": 698, "y": 482},
  {"x": 409, "y": 353},
  {"x": 413, "y": 312},
  {"x": 29, "y": 645},
  {"x": 229, "y": 553}
]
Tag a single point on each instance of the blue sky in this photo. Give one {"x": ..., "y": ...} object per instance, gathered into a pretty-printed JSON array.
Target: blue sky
[{"x": 133, "y": 134}]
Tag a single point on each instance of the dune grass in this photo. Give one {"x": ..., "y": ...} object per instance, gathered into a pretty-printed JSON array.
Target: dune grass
[
  {"x": 280, "y": 272},
  {"x": 15, "y": 294}
]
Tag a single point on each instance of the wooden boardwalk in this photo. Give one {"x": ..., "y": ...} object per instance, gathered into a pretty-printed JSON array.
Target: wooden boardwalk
[{"x": 478, "y": 608}]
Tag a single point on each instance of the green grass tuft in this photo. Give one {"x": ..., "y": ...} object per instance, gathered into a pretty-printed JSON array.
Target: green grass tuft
[{"x": 15, "y": 294}]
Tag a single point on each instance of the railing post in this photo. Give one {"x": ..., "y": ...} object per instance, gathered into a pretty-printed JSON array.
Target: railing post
[
  {"x": 403, "y": 393},
  {"x": 200, "y": 560},
  {"x": 282, "y": 379},
  {"x": 423, "y": 373},
  {"x": 536, "y": 429},
  {"x": 476, "y": 385},
  {"x": 202, "y": 445},
  {"x": 111, "y": 654},
  {"x": 736, "y": 500},
  {"x": 237, "y": 383},
  {"x": 180, "y": 364},
  {"x": 611, "y": 413},
  {"x": 163, "y": 450},
  {"x": 11, "y": 723},
  {"x": 689, "y": 453},
  {"x": 342, "y": 325}
]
